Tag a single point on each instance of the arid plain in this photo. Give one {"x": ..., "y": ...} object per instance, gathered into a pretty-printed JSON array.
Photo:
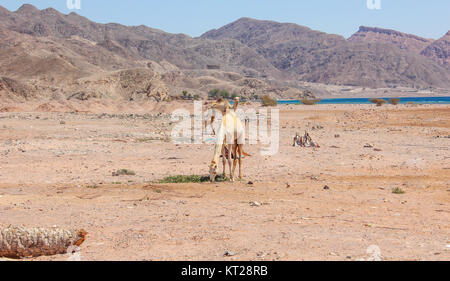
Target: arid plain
[{"x": 328, "y": 203}]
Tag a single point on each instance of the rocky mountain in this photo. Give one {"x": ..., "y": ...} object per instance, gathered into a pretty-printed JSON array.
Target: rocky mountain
[
  {"x": 51, "y": 51},
  {"x": 439, "y": 50},
  {"x": 13, "y": 90},
  {"x": 45, "y": 54},
  {"x": 136, "y": 42},
  {"x": 398, "y": 39},
  {"x": 305, "y": 54}
]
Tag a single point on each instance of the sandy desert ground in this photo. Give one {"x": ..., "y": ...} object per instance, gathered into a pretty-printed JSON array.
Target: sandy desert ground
[{"x": 56, "y": 169}]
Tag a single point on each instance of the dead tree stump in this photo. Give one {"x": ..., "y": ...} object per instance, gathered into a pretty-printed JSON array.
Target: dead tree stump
[{"x": 18, "y": 242}]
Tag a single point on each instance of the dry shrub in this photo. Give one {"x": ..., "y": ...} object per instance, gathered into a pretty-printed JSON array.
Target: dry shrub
[
  {"x": 394, "y": 101},
  {"x": 268, "y": 101},
  {"x": 378, "y": 102},
  {"x": 310, "y": 102}
]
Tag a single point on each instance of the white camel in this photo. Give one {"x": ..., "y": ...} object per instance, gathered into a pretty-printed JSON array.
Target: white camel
[{"x": 231, "y": 136}]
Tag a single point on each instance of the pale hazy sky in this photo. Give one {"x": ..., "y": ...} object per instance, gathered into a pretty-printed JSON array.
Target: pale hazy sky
[{"x": 429, "y": 19}]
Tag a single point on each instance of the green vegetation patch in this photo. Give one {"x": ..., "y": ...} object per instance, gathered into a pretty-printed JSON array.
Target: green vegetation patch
[
  {"x": 190, "y": 179},
  {"x": 398, "y": 190}
]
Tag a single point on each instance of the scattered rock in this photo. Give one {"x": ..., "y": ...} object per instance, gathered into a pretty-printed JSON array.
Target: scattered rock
[
  {"x": 326, "y": 187},
  {"x": 368, "y": 145},
  {"x": 123, "y": 172},
  {"x": 288, "y": 185},
  {"x": 337, "y": 136},
  {"x": 250, "y": 183},
  {"x": 228, "y": 254},
  {"x": 317, "y": 127},
  {"x": 255, "y": 204},
  {"x": 377, "y": 149}
]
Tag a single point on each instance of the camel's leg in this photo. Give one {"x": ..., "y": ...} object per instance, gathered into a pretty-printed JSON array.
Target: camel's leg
[
  {"x": 223, "y": 160},
  {"x": 229, "y": 146},
  {"x": 240, "y": 148},
  {"x": 235, "y": 158}
]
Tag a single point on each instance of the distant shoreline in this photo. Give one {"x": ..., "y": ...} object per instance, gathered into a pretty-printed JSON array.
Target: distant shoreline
[
  {"x": 377, "y": 94},
  {"x": 403, "y": 100}
]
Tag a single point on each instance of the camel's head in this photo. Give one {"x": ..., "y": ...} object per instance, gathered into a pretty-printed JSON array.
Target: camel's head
[
  {"x": 221, "y": 105},
  {"x": 212, "y": 171}
]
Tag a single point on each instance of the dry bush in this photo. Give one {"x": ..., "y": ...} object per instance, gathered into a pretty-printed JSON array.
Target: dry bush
[
  {"x": 378, "y": 102},
  {"x": 394, "y": 101},
  {"x": 268, "y": 101},
  {"x": 310, "y": 102}
]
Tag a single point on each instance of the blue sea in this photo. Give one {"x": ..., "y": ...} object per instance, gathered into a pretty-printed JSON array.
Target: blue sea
[{"x": 417, "y": 100}]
